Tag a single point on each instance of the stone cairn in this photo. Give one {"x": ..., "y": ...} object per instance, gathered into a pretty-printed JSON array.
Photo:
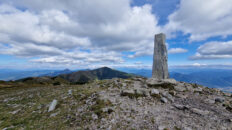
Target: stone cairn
[{"x": 160, "y": 65}]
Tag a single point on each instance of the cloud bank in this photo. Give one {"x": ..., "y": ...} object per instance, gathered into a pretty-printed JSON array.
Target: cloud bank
[{"x": 75, "y": 31}]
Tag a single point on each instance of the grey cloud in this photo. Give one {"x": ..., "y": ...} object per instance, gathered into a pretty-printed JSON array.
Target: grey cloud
[
  {"x": 64, "y": 26},
  {"x": 177, "y": 50},
  {"x": 214, "y": 50},
  {"x": 202, "y": 19}
]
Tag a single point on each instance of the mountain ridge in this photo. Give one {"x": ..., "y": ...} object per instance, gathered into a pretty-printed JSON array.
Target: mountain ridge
[{"x": 84, "y": 76}]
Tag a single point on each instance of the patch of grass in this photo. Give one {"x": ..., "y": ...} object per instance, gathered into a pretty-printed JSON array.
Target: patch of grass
[
  {"x": 100, "y": 104},
  {"x": 153, "y": 120},
  {"x": 163, "y": 85},
  {"x": 176, "y": 128},
  {"x": 132, "y": 95}
]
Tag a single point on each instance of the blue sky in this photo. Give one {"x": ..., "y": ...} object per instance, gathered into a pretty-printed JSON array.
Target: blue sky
[{"x": 78, "y": 34}]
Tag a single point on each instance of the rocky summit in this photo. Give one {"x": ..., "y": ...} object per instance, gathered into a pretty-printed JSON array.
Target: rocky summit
[{"x": 135, "y": 103}]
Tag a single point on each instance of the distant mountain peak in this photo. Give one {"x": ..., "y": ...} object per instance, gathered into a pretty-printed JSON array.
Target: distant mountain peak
[
  {"x": 90, "y": 75},
  {"x": 66, "y": 69}
]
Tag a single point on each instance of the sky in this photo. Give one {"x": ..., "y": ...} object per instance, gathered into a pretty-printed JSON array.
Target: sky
[{"x": 79, "y": 34}]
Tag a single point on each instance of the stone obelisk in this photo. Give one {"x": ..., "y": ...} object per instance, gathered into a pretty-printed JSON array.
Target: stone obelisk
[{"x": 160, "y": 65}]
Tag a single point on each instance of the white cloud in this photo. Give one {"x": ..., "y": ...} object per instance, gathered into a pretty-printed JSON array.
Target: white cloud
[
  {"x": 61, "y": 30},
  {"x": 214, "y": 50},
  {"x": 202, "y": 19},
  {"x": 177, "y": 50}
]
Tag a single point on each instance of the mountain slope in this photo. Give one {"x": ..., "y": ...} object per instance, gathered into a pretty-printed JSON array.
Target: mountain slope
[
  {"x": 56, "y": 73},
  {"x": 9, "y": 74},
  {"x": 213, "y": 78},
  {"x": 206, "y": 78},
  {"x": 90, "y": 75}
]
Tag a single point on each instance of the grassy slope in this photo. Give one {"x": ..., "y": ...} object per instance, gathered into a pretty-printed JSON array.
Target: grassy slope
[{"x": 31, "y": 106}]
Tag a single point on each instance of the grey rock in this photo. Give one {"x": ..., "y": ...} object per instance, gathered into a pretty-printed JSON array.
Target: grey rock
[
  {"x": 154, "y": 92},
  {"x": 189, "y": 87},
  {"x": 127, "y": 92},
  {"x": 200, "y": 112},
  {"x": 52, "y": 105},
  {"x": 198, "y": 89},
  {"x": 124, "y": 84},
  {"x": 181, "y": 107},
  {"x": 70, "y": 92},
  {"x": 154, "y": 82},
  {"x": 168, "y": 96},
  {"x": 160, "y": 65},
  {"x": 15, "y": 112},
  {"x": 54, "y": 114},
  {"x": 180, "y": 87},
  {"x": 142, "y": 91},
  {"x": 170, "y": 81},
  {"x": 161, "y": 127},
  {"x": 94, "y": 116},
  {"x": 163, "y": 100},
  {"x": 219, "y": 99},
  {"x": 210, "y": 101}
]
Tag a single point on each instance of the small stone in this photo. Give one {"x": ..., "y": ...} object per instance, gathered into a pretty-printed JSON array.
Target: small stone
[
  {"x": 15, "y": 112},
  {"x": 54, "y": 114},
  {"x": 163, "y": 100},
  {"x": 94, "y": 116},
  {"x": 154, "y": 92},
  {"x": 127, "y": 92},
  {"x": 219, "y": 99},
  {"x": 200, "y": 112},
  {"x": 70, "y": 92},
  {"x": 172, "y": 92},
  {"x": 168, "y": 96},
  {"x": 162, "y": 128},
  {"x": 181, "y": 107},
  {"x": 52, "y": 105},
  {"x": 124, "y": 84},
  {"x": 39, "y": 107}
]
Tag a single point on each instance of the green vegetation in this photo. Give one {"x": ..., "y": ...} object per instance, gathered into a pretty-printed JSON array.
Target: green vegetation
[
  {"x": 25, "y": 106},
  {"x": 98, "y": 108}
]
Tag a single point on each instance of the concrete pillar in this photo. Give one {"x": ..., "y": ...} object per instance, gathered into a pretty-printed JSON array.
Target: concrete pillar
[{"x": 160, "y": 58}]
